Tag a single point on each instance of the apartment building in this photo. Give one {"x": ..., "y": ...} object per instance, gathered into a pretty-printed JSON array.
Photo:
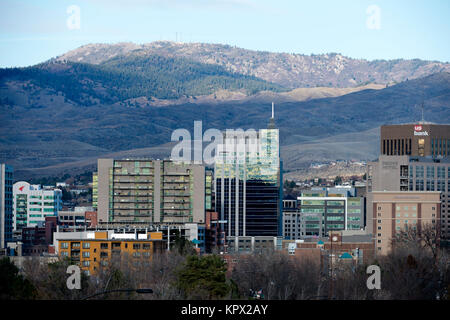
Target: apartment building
[
  {"x": 32, "y": 203},
  {"x": 131, "y": 191},
  {"x": 93, "y": 250}
]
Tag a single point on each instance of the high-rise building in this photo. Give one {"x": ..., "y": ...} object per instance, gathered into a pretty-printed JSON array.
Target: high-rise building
[
  {"x": 6, "y": 204},
  {"x": 248, "y": 183},
  {"x": 408, "y": 173},
  {"x": 32, "y": 203},
  {"x": 413, "y": 158},
  {"x": 421, "y": 139},
  {"x": 149, "y": 191}
]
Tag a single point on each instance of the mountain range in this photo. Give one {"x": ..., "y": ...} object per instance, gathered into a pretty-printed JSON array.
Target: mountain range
[{"x": 125, "y": 100}]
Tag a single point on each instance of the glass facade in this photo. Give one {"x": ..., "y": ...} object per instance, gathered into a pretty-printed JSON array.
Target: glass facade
[{"x": 248, "y": 188}]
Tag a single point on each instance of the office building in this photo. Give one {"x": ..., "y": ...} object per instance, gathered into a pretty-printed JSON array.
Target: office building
[
  {"x": 322, "y": 210},
  {"x": 422, "y": 139},
  {"x": 77, "y": 219},
  {"x": 397, "y": 211},
  {"x": 6, "y": 205},
  {"x": 133, "y": 191},
  {"x": 425, "y": 168},
  {"x": 32, "y": 203},
  {"x": 248, "y": 183}
]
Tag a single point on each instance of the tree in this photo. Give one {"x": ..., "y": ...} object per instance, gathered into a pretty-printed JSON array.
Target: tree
[
  {"x": 12, "y": 284},
  {"x": 338, "y": 180},
  {"x": 182, "y": 245},
  {"x": 278, "y": 275},
  {"x": 203, "y": 277}
]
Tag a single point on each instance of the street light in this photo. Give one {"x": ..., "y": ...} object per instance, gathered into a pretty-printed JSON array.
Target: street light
[{"x": 145, "y": 290}]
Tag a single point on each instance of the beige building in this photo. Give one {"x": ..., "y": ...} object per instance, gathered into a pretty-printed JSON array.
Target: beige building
[
  {"x": 408, "y": 173},
  {"x": 394, "y": 211},
  {"x": 149, "y": 191}
]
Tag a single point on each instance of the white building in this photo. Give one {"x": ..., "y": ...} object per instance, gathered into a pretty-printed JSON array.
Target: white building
[{"x": 33, "y": 203}]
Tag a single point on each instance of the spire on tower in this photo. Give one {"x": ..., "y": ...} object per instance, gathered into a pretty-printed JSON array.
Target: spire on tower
[
  {"x": 272, "y": 120},
  {"x": 273, "y": 111}
]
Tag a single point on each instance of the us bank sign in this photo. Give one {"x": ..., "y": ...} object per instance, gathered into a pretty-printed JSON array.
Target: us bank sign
[{"x": 418, "y": 131}]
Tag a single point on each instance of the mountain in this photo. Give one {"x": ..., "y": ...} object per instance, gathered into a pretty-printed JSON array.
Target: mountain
[
  {"x": 44, "y": 132},
  {"x": 121, "y": 78},
  {"x": 289, "y": 70}
]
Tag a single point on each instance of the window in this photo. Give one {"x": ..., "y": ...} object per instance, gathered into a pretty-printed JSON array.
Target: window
[
  {"x": 64, "y": 245},
  {"x": 86, "y": 245},
  {"x": 136, "y": 246},
  {"x": 86, "y": 263},
  {"x": 430, "y": 172},
  {"x": 86, "y": 254},
  {"x": 441, "y": 172},
  {"x": 103, "y": 246}
]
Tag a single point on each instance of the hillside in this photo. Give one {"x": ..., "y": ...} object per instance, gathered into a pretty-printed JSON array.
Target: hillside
[
  {"x": 289, "y": 70},
  {"x": 122, "y": 78},
  {"x": 41, "y": 128}
]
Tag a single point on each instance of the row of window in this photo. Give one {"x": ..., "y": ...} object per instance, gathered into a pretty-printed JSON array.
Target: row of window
[
  {"x": 432, "y": 172},
  {"x": 87, "y": 245}
]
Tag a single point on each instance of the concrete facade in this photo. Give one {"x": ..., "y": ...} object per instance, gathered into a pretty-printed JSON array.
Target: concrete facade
[{"x": 150, "y": 191}]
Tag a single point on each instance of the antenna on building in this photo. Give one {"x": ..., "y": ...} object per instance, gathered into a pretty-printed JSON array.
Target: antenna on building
[
  {"x": 273, "y": 111},
  {"x": 423, "y": 120},
  {"x": 272, "y": 120}
]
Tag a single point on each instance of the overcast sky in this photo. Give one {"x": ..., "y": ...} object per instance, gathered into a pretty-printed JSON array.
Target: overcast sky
[{"x": 34, "y": 31}]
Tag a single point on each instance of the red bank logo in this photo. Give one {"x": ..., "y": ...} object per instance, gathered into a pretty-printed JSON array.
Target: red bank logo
[
  {"x": 418, "y": 131},
  {"x": 21, "y": 188}
]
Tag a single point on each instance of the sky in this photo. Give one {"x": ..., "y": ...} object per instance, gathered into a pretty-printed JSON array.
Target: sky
[{"x": 35, "y": 31}]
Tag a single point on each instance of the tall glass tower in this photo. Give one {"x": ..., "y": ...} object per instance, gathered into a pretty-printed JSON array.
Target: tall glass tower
[{"x": 248, "y": 182}]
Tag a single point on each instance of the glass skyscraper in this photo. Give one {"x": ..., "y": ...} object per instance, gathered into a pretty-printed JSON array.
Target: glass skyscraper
[{"x": 248, "y": 182}]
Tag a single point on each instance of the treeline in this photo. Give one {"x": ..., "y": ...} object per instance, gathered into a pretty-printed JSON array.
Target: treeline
[
  {"x": 123, "y": 78},
  {"x": 414, "y": 270}
]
